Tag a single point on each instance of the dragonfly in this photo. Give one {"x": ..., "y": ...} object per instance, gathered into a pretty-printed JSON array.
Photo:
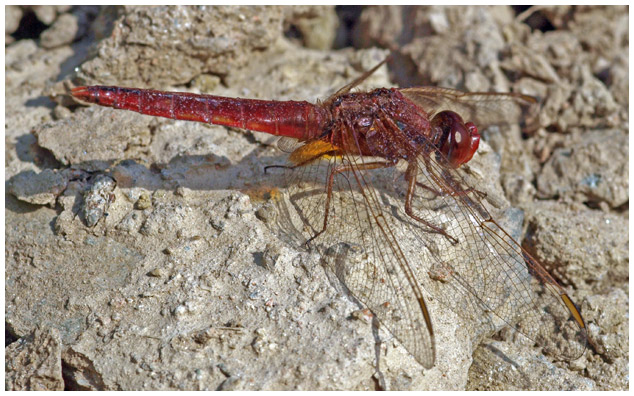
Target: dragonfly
[{"x": 373, "y": 183}]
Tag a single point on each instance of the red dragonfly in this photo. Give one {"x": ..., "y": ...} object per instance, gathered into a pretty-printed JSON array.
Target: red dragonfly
[{"x": 374, "y": 187}]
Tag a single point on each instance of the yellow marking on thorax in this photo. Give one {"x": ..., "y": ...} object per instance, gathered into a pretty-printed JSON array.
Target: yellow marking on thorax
[{"x": 312, "y": 151}]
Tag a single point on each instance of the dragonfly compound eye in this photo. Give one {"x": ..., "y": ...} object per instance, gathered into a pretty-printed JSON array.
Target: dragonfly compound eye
[{"x": 456, "y": 140}]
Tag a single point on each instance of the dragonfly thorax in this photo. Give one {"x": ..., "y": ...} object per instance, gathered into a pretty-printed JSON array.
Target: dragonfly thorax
[{"x": 380, "y": 124}]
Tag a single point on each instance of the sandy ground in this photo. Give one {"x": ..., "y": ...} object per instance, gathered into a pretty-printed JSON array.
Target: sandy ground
[{"x": 138, "y": 250}]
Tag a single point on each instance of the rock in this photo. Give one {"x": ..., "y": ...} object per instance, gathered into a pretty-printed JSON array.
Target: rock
[
  {"x": 63, "y": 31},
  {"x": 501, "y": 366},
  {"x": 38, "y": 189},
  {"x": 607, "y": 315},
  {"x": 97, "y": 199},
  {"x": 317, "y": 25},
  {"x": 590, "y": 170},
  {"x": 564, "y": 239},
  {"x": 114, "y": 139},
  {"x": 46, "y": 14},
  {"x": 172, "y": 45},
  {"x": 12, "y": 16},
  {"x": 34, "y": 362}
]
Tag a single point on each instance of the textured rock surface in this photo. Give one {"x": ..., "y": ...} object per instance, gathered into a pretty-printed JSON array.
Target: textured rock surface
[
  {"x": 34, "y": 362},
  {"x": 178, "y": 282}
]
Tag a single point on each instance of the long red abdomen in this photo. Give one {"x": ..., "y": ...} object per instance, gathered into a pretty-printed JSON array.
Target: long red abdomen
[{"x": 300, "y": 120}]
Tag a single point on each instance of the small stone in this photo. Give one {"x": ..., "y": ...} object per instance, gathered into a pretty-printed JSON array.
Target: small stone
[
  {"x": 157, "y": 273},
  {"x": 97, "y": 199},
  {"x": 12, "y": 17},
  {"x": 38, "y": 188},
  {"x": 143, "y": 202},
  {"x": 62, "y": 32}
]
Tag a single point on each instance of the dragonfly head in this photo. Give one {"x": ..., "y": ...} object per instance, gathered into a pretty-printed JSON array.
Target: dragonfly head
[{"x": 455, "y": 139}]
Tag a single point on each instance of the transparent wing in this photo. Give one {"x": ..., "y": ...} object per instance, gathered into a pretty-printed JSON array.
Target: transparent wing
[
  {"x": 481, "y": 108},
  {"x": 384, "y": 257},
  {"x": 486, "y": 276},
  {"x": 358, "y": 245},
  {"x": 288, "y": 144}
]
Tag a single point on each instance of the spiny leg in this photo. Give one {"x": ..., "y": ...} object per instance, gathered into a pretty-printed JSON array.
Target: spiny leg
[
  {"x": 390, "y": 127},
  {"x": 410, "y": 176}
]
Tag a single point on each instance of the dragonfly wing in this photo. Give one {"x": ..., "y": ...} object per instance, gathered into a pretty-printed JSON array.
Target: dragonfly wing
[
  {"x": 359, "y": 247},
  {"x": 383, "y": 256},
  {"x": 288, "y": 144},
  {"x": 482, "y": 108},
  {"x": 486, "y": 275}
]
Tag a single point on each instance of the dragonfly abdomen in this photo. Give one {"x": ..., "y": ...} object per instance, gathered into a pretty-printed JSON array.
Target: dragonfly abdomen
[{"x": 300, "y": 120}]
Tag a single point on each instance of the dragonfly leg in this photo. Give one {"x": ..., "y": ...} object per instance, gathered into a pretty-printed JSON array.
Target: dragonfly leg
[
  {"x": 410, "y": 176},
  {"x": 388, "y": 124},
  {"x": 331, "y": 178}
]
